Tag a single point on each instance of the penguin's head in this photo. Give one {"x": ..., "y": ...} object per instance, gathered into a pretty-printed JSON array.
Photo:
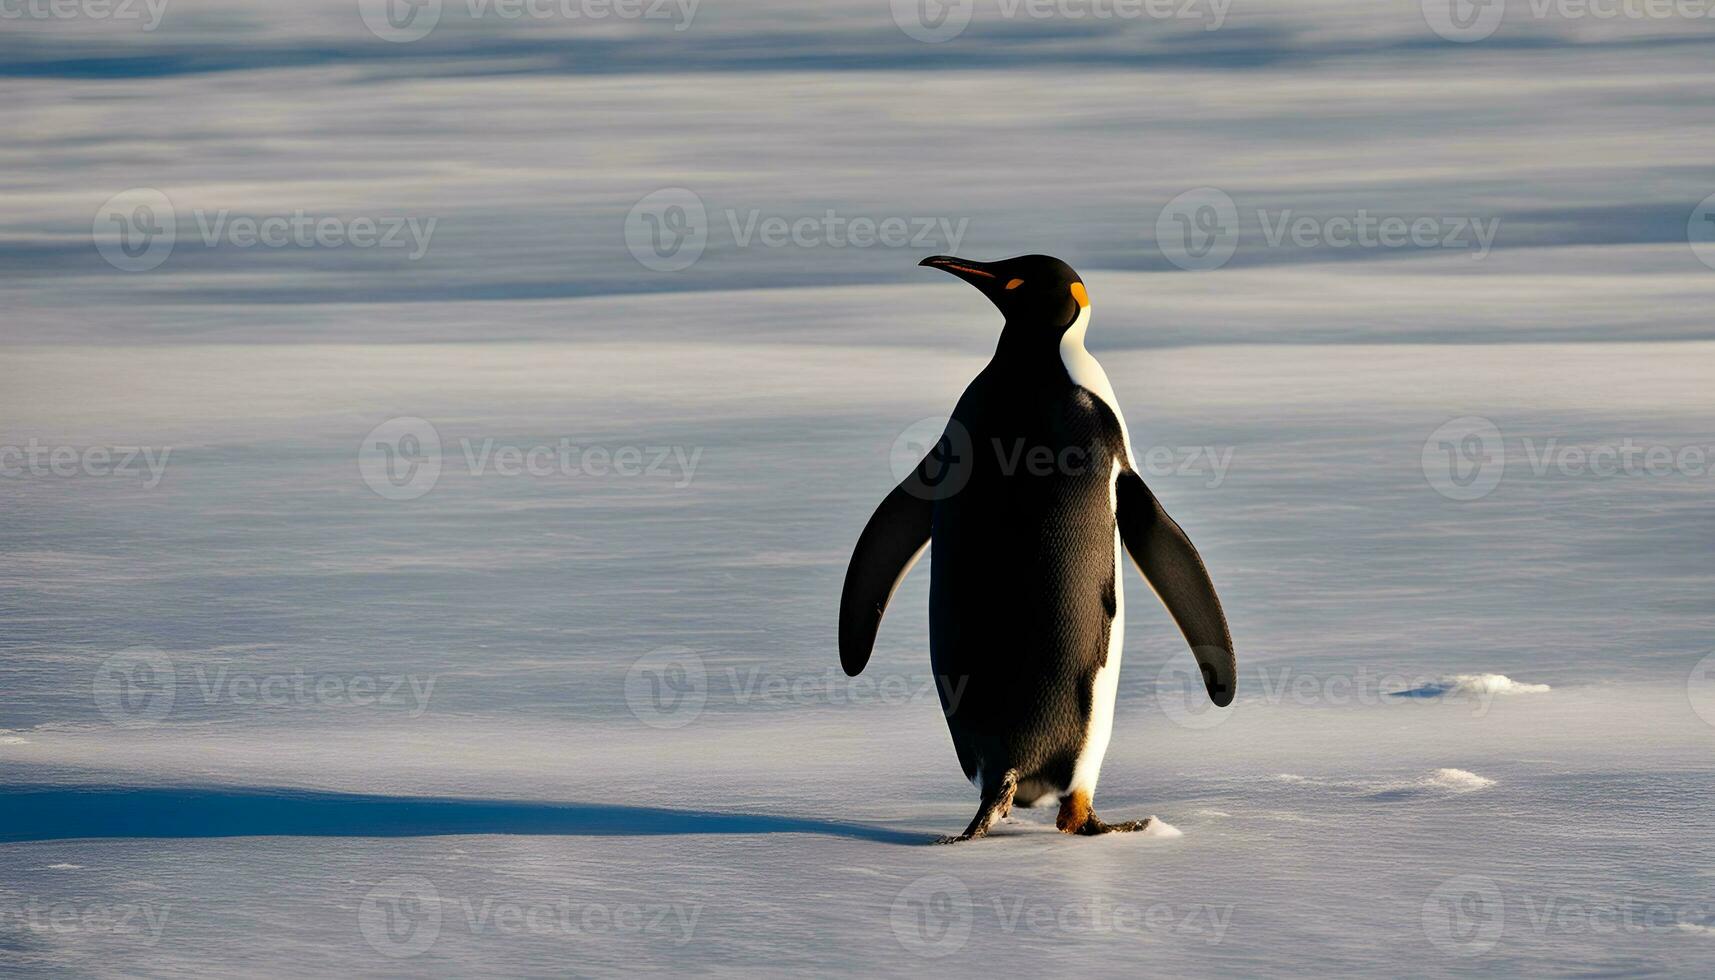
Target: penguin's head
[{"x": 1030, "y": 290}]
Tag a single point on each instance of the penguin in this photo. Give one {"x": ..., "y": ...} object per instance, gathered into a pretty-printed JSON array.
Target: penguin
[{"x": 1026, "y": 504}]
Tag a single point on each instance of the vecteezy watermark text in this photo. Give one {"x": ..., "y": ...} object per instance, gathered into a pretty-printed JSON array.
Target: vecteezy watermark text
[
  {"x": 137, "y": 230},
  {"x": 1469, "y": 915},
  {"x": 140, "y": 922},
  {"x": 1181, "y": 690},
  {"x": 1465, "y": 21},
  {"x": 670, "y": 686},
  {"x": 403, "y": 21},
  {"x": 668, "y": 230},
  {"x": 401, "y": 459},
  {"x": 947, "y": 453},
  {"x": 1202, "y": 228},
  {"x": 38, "y": 460},
  {"x": 1466, "y": 458},
  {"x": 933, "y": 917},
  {"x": 830, "y": 229},
  {"x": 147, "y": 12},
  {"x": 938, "y": 21},
  {"x": 139, "y": 688},
  {"x": 403, "y": 917}
]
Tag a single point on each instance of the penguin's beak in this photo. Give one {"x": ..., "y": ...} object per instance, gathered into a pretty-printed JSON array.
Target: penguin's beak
[{"x": 974, "y": 272}]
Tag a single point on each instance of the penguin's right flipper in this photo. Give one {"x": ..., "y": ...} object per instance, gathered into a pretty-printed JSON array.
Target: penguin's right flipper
[
  {"x": 896, "y": 534},
  {"x": 1175, "y": 571}
]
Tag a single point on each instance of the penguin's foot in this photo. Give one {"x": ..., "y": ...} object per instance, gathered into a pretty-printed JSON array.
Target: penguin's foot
[
  {"x": 1095, "y": 825},
  {"x": 1077, "y": 817},
  {"x": 996, "y": 804}
]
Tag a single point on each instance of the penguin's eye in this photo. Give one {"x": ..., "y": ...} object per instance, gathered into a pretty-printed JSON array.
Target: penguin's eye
[{"x": 1015, "y": 284}]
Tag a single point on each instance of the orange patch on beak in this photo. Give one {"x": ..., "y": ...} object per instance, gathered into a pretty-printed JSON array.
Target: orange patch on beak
[
  {"x": 1014, "y": 284},
  {"x": 1080, "y": 295},
  {"x": 964, "y": 268}
]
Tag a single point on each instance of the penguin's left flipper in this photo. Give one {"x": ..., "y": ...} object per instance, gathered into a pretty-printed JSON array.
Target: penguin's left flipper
[
  {"x": 896, "y": 534},
  {"x": 1175, "y": 571}
]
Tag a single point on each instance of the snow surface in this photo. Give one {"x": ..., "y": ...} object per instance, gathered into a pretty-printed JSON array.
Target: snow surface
[{"x": 520, "y": 805}]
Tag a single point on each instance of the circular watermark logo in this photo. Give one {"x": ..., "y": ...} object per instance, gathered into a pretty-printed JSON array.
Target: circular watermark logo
[
  {"x": 933, "y": 21},
  {"x": 135, "y": 688},
  {"x": 932, "y": 916},
  {"x": 667, "y": 688},
  {"x": 400, "y": 459},
  {"x": 667, "y": 230},
  {"x": 134, "y": 230},
  {"x": 1184, "y": 696},
  {"x": 1464, "y": 21},
  {"x": 1199, "y": 229},
  {"x": 1700, "y": 689},
  {"x": 943, "y": 448},
  {"x": 1464, "y": 915},
  {"x": 400, "y": 21},
  {"x": 1464, "y": 458},
  {"x": 401, "y": 917},
  {"x": 1700, "y": 231}
]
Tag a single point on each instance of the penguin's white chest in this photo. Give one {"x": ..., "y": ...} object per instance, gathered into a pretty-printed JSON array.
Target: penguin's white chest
[
  {"x": 1086, "y": 372},
  {"x": 1087, "y": 769}
]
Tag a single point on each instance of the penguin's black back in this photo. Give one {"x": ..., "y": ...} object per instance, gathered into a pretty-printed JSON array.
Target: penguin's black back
[{"x": 1022, "y": 586}]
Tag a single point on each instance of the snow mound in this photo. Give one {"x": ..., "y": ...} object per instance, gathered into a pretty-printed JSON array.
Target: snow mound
[
  {"x": 1459, "y": 780},
  {"x": 1471, "y": 685},
  {"x": 1441, "y": 781},
  {"x": 1160, "y": 828}
]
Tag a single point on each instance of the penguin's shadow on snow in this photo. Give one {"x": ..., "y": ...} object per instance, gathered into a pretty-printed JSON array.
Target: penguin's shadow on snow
[{"x": 41, "y": 813}]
